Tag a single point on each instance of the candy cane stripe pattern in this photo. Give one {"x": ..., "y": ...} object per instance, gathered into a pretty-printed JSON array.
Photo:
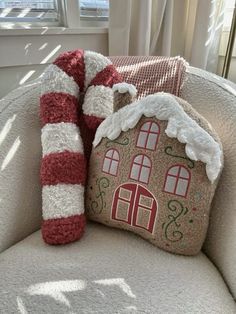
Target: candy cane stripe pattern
[{"x": 67, "y": 134}]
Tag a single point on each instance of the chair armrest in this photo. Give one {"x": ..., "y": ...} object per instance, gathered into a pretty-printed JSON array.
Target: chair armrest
[
  {"x": 215, "y": 99},
  {"x": 20, "y": 152}
]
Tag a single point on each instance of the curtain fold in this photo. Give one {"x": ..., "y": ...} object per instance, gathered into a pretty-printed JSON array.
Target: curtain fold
[{"x": 189, "y": 28}]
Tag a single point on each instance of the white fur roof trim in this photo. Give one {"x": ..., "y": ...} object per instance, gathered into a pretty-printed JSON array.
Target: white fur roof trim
[
  {"x": 125, "y": 87},
  {"x": 199, "y": 144}
]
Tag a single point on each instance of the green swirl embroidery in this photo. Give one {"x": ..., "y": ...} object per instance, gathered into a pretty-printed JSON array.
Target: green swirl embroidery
[
  {"x": 178, "y": 210},
  {"x": 98, "y": 205},
  {"x": 124, "y": 142},
  {"x": 168, "y": 151}
]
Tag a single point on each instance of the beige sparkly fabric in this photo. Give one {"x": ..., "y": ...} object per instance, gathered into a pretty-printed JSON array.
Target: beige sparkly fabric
[
  {"x": 152, "y": 74},
  {"x": 159, "y": 193}
]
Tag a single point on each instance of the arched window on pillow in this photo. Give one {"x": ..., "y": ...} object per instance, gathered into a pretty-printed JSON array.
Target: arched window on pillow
[
  {"x": 111, "y": 162},
  {"x": 177, "y": 180},
  {"x": 141, "y": 169},
  {"x": 148, "y": 135}
]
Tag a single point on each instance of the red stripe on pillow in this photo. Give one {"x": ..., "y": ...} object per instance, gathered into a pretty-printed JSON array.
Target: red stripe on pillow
[
  {"x": 65, "y": 167},
  {"x": 92, "y": 122},
  {"x": 107, "y": 77},
  {"x": 72, "y": 62},
  {"x": 58, "y": 107},
  {"x": 63, "y": 230},
  {"x": 88, "y": 126}
]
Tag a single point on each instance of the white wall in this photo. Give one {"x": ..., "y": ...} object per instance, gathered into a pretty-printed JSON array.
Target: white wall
[{"x": 25, "y": 53}]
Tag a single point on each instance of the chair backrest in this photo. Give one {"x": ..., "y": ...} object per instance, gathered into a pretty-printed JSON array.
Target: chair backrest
[{"x": 20, "y": 154}]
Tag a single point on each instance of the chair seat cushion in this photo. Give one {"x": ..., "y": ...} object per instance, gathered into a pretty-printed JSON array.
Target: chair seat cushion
[{"x": 108, "y": 271}]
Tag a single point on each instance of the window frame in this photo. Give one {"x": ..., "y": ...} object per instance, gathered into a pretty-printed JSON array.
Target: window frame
[
  {"x": 69, "y": 17},
  {"x": 14, "y": 24},
  {"x": 111, "y": 161},
  {"x": 148, "y": 133},
  {"x": 177, "y": 178},
  {"x": 141, "y": 167}
]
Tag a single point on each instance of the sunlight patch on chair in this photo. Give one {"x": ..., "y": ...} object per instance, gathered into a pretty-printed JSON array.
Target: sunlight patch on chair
[
  {"x": 21, "y": 306},
  {"x": 26, "y": 77},
  {"x": 11, "y": 153},
  {"x": 230, "y": 89},
  {"x": 120, "y": 282},
  {"x": 56, "y": 289},
  {"x": 6, "y": 129}
]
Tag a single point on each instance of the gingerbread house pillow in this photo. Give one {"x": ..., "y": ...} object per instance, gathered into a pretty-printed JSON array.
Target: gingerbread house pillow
[{"x": 153, "y": 170}]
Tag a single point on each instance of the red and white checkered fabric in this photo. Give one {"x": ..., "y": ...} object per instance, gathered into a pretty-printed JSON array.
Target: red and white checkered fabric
[{"x": 152, "y": 74}]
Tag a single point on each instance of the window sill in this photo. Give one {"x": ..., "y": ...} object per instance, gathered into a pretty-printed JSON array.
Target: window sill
[{"x": 39, "y": 31}]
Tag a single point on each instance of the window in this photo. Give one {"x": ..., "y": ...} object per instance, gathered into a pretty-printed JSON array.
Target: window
[
  {"x": 111, "y": 162},
  {"x": 134, "y": 205},
  {"x": 141, "y": 168},
  {"x": 228, "y": 14},
  {"x": 148, "y": 135},
  {"x": 98, "y": 9},
  {"x": 28, "y": 11},
  {"x": 177, "y": 181},
  {"x": 69, "y": 13}
]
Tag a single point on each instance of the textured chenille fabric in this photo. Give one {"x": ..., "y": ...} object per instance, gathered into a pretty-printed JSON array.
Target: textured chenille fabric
[
  {"x": 66, "y": 129},
  {"x": 152, "y": 74},
  {"x": 108, "y": 272}
]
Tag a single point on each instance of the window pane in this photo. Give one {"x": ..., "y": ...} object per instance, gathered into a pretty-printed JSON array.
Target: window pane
[
  {"x": 106, "y": 164},
  {"x": 29, "y": 11},
  {"x": 146, "y": 161},
  {"x": 170, "y": 184},
  {"x": 152, "y": 140},
  {"x": 184, "y": 173},
  {"x": 146, "y": 126},
  {"x": 174, "y": 171},
  {"x": 142, "y": 139},
  {"x": 154, "y": 128},
  {"x": 109, "y": 153},
  {"x": 182, "y": 187},
  {"x": 135, "y": 172},
  {"x": 144, "y": 176},
  {"x": 94, "y": 9},
  {"x": 114, "y": 166}
]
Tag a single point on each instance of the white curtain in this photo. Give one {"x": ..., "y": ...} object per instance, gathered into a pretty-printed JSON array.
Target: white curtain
[{"x": 190, "y": 28}]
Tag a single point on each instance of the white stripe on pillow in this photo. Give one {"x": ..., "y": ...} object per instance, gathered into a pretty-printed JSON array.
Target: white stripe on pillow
[
  {"x": 62, "y": 200},
  {"x": 94, "y": 63},
  {"x": 56, "y": 80},
  {"x": 60, "y": 137},
  {"x": 98, "y": 101}
]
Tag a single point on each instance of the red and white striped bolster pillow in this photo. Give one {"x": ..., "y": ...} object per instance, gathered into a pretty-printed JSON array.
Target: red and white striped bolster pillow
[{"x": 65, "y": 132}]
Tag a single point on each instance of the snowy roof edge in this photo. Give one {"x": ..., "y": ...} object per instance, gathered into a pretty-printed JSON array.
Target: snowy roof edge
[{"x": 200, "y": 145}]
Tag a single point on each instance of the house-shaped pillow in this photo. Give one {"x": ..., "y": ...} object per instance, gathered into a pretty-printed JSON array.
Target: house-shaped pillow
[{"x": 153, "y": 170}]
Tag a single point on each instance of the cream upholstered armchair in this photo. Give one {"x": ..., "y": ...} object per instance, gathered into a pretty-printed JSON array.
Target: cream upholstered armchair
[{"x": 110, "y": 271}]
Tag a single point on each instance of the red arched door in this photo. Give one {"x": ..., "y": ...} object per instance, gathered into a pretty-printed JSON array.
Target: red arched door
[{"x": 134, "y": 205}]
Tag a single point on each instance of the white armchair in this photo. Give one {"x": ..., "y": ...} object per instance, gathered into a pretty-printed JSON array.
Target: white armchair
[{"x": 111, "y": 271}]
